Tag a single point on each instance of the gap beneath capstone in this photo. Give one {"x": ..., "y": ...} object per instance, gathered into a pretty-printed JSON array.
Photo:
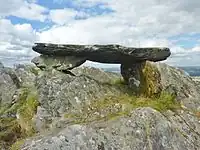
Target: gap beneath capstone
[{"x": 104, "y": 66}]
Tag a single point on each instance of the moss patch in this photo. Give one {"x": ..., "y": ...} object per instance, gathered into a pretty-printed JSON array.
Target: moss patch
[
  {"x": 143, "y": 78},
  {"x": 17, "y": 145},
  {"x": 27, "y": 111},
  {"x": 13, "y": 128},
  {"x": 150, "y": 80},
  {"x": 10, "y": 131},
  {"x": 115, "y": 106}
]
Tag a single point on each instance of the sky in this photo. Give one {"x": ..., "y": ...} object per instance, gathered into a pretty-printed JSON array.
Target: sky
[{"x": 134, "y": 23}]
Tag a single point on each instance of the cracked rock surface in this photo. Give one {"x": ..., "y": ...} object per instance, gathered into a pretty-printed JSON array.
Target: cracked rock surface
[
  {"x": 104, "y": 53},
  {"x": 67, "y": 112}
]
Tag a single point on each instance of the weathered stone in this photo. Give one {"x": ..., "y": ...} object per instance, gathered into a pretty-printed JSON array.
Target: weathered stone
[
  {"x": 59, "y": 63},
  {"x": 9, "y": 83},
  {"x": 96, "y": 74},
  {"x": 104, "y": 53},
  {"x": 142, "y": 78},
  {"x": 61, "y": 93},
  {"x": 26, "y": 74},
  {"x": 143, "y": 128},
  {"x": 110, "y": 126},
  {"x": 150, "y": 79}
]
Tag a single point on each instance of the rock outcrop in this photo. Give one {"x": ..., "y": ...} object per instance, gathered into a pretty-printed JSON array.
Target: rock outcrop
[
  {"x": 143, "y": 128},
  {"x": 60, "y": 105},
  {"x": 150, "y": 79}
]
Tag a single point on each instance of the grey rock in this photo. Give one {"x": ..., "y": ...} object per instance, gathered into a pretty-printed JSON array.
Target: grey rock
[
  {"x": 9, "y": 83},
  {"x": 154, "y": 78},
  {"x": 26, "y": 74},
  {"x": 104, "y": 53},
  {"x": 142, "y": 77},
  {"x": 57, "y": 62},
  {"x": 61, "y": 93},
  {"x": 143, "y": 129},
  {"x": 96, "y": 74},
  {"x": 184, "y": 87}
]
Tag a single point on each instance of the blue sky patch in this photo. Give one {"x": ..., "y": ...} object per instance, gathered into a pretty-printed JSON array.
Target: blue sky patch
[
  {"x": 37, "y": 25},
  {"x": 186, "y": 40},
  {"x": 93, "y": 10}
]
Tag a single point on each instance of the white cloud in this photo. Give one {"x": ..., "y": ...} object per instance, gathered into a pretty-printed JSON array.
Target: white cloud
[
  {"x": 144, "y": 23},
  {"x": 16, "y": 42},
  {"x": 23, "y": 9},
  {"x": 31, "y": 11},
  {"x": 62, "y": 16},
  {"x": 141, "y": 23},
  {"x": 196, "y": 49}
]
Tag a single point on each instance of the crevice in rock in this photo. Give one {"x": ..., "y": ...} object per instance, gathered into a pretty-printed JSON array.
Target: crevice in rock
[
  {"x": 14, "y": 77},
  {"x": 67, "y": 72},
  {"x": 191, "y": 142},
  {"x": 189, "y": 126}
]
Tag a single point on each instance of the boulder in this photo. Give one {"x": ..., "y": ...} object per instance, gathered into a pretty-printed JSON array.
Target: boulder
[
  {"x": 61, "y": 93},
  {"x": 143, "y": 78},
  {"x": 26, "y": 74},
  {"x": 95, "y": 110},
  {"x": 59, "y": 63},
  {"x": 104, "y": 53},
  {"x": 144, "y": 128},
  {"x": 9, "y": 83},
  {"x": 150, "y": 79}
]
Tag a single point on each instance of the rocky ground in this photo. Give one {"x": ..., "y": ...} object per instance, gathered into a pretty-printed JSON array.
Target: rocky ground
[{"x": 92, "y": 109}]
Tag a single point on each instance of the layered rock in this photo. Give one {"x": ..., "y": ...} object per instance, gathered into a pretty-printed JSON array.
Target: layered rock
[
  {"x": 59, "y": 63},
  {"x": 104, "y": 53}
]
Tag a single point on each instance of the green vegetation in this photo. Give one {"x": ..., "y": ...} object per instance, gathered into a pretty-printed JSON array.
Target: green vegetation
[
  {"x": 21, "y": 127},
  {"x": 34, "y": 70},
  {"x": 114, "y": 106},
  {"x": 27, "y": 111},
  {"x": 17, "y": 144},
  {"x": 119, "y": 81},
  {"x": 10, "y": 131},
  {"x": 150, "y": 79}
]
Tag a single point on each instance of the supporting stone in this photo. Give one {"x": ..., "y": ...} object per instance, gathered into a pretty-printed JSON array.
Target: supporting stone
[
  {"x": 45, "y": 62},
  {"x": 142, "y": 77}
]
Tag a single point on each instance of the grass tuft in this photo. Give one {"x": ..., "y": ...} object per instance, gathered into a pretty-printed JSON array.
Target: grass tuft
[
  {"x": 19, "y": 127},
  {"x": 115, "y": 106}
]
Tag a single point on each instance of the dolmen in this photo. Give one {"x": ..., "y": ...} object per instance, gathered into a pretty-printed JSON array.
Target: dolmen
[{"x": 134, "y": 61}]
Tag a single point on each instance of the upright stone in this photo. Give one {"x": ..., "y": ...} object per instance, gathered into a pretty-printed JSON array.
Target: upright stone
[{"x": 143, "y": 78}]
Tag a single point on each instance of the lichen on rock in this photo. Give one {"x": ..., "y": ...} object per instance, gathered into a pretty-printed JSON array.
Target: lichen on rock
[{"x": 143, "y": 78}]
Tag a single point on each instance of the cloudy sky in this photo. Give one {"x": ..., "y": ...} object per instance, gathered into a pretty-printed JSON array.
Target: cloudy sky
[{"x": 138, "y": 23}]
